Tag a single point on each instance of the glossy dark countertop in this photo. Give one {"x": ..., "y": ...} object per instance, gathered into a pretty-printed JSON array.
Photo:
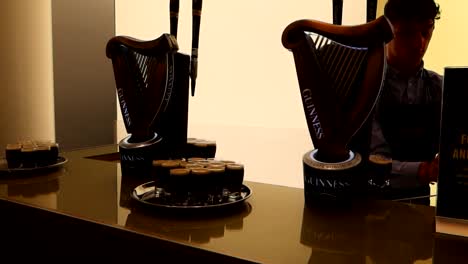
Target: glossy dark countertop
[{"x": 272, "y": 226}]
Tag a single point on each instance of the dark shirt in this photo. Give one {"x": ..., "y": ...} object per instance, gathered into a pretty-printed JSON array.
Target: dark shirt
[{"x": 424, "y": 87}]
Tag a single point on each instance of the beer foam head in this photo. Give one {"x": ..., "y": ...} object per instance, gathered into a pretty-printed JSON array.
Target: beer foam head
[
  {"x": 380, "y": 159},
  {"x": 200, "y": 171},
  {"x": 159, "y": 163},
  {"x": 179, "y": 171},
  {"x": 13, "y": 146},
  {"x": 235, "y": 166},
  {"x": 170, "y": 164}
]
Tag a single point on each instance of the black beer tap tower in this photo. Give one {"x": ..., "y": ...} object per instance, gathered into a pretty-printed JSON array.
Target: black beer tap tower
[{"x": 152, "y": 81}]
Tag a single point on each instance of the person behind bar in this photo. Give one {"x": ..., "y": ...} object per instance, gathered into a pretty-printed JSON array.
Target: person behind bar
[{"x": 406, "y": 123}]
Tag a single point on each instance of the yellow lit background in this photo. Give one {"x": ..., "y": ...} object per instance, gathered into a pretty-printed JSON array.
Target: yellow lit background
[{"x": 247, "y": 96}]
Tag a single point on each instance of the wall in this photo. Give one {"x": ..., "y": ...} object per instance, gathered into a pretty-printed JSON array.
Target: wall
[
  {"x": 247, "y": 96},
  {"x": 246, "y": 76},
  {"x": 26, "y": 78},
  {"x": 242, "y": 61},
  {"x": 450, "y": 37},
  {"x": 85, "y": 109}
]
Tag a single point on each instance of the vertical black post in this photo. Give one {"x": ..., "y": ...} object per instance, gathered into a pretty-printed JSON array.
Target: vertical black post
[
  {"x": 371, "y": 10},
  {"x": 174, "y": 16},
  {"x": 337, "y": 11},
  {"x": 196, "y": 17}
]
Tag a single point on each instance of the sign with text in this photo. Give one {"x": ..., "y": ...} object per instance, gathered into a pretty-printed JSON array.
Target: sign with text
[{"x": 452, "y": 190}]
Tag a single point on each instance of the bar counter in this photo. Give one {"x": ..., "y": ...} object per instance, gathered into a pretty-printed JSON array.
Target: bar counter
[{"x": 85, "y": 208}]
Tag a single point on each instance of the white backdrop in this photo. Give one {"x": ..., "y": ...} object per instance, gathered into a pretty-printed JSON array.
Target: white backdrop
[{"x": 247, "y": 96}]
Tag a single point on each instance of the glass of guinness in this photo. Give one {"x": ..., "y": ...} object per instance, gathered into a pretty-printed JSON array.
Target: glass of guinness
[{"x": 380, "y": 168}]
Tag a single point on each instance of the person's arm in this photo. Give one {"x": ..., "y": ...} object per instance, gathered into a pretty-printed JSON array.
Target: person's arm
[
  {"x": 407, "y": 168},
  {"x": 380, "y": 145},
  {"x": 414, "y": 172}
]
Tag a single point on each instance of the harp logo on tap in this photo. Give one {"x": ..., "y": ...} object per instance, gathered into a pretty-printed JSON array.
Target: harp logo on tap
[
  {"x": 144, "y": 75},
  {"x": 340, "y": 70},
  {"x": 152, "y": 80}
]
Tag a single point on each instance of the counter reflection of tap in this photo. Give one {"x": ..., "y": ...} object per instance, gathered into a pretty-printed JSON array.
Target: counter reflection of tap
[{"x": 376, "y": 232}]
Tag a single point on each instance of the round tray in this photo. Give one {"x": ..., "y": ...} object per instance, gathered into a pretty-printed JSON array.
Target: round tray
[
  {"x": 147, "y": 195},
  {"x": 4, "y": 166}
]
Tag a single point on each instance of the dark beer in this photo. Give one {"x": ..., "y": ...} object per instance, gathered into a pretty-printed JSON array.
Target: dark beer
[
  {"x": 380, "y": 168},
  {"x": 166, "y": 167},
  {"x": 13, "y": 155},
  {"x": 200, "y": 182},
  {"x": 234, "y": 177},
  {"x": 179, "y": 183}
]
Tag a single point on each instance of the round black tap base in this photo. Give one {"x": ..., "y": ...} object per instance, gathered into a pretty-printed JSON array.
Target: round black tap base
[
  {"x": 138, "y": 156},
  {"x": 327, "y": 183}
]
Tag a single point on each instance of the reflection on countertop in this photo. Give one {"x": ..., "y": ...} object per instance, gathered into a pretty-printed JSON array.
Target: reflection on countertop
[
  {"x": 34, "y": 185},
  {"x": 379, "y": 232},
  {"x": 39, "y": 189},
  {"x": 195, "y": 227}
]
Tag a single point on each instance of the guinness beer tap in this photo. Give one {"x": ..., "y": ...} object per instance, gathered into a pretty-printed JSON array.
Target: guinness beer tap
[
  {"x": 340, "y": 70},
  {"x": 174, "y": 16},
  {"x": 149, "y": 77},
  {"x": 196, "y": 17},
  {"x": 152, "y": 81},
  {"x": 337, "y": 11},
  {"x": 371, "y": 10}
]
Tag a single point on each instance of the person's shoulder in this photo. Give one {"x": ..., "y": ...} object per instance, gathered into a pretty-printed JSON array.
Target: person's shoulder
[
  {"x": 433, "y": 77},
  {"x": 432, "y": 74},
  {"x": 434, "y": 81}
]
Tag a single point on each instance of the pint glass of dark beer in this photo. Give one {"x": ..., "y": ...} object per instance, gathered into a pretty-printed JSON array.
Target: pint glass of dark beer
[{"x": 380, "y": 168}]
